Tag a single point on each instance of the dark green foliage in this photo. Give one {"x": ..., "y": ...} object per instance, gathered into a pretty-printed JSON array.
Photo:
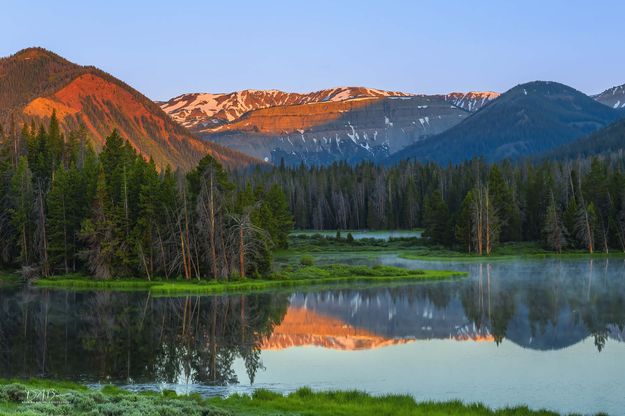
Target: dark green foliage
[
  {"x": 65, "y": 209},
  {"x": 436, "y": 220},
  {"x": 306, "y": 260},
  {"x": 507, "y": 202}
]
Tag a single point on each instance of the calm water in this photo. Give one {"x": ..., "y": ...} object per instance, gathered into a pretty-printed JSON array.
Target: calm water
[
  {"x": 543, "y": 333},
  {"x": 359, "y": 235}
]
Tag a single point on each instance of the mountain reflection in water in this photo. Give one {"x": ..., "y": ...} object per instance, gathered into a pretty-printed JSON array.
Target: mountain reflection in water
[{"x": 137, "y": 338}]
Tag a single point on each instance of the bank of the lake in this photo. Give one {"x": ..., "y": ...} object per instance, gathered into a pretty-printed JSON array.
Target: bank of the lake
[
  {"x": 331, "y": 274},
  {"x": 413, "y": 248},
  {"x": 508, "y": 251},
  {"x": 41, "y": 397}
]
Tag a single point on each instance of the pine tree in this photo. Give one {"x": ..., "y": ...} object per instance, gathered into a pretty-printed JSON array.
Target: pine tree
[
  {"x": 59, "y": 201},
  {"x": 98, "y": 233},
  {"x": 554, "y": 233},
  {"x": 22, "y": 198},
  {"x": 585, "y": 226},
  {"x": 502, "y": 199},
  {"x": 463, "y": 223},
  {"x": 436, "y": 220},
  {"x": 280, "y": 223}
]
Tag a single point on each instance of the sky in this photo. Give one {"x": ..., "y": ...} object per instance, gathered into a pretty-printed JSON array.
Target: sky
[{"x": 166, "y": 48}]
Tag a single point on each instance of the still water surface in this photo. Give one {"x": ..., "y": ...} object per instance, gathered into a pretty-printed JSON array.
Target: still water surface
[{"x": 546, "y": 333}]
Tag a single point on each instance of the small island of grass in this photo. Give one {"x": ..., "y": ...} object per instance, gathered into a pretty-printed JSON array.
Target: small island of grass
[
  {"x": 308, "y": 275},
  {"x": 41, "y": 397}
]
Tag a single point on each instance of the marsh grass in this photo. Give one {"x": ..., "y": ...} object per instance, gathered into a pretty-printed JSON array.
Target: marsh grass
[{"x": 332, "y": 274}]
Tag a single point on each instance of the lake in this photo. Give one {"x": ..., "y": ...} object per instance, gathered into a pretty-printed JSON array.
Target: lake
[
  {"x": 546, "y": 333},
  {"x": 361, "y": 234}
]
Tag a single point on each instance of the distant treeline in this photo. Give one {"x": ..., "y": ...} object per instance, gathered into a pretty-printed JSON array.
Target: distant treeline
[
  {"x": 65, "y": 209},
  {"x": 472, "y": 206}
]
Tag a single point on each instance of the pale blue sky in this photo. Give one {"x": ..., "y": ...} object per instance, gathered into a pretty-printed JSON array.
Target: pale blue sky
[{"x": 165, "y": 48}]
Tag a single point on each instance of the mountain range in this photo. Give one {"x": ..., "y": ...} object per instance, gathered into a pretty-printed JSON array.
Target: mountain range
[
  {"x": 346, "y": 123},
  {"x": 528, "y": 119},
  {"x": 350, "y": 124},
  {"x": 35, "y": 82},
  {"x": 353, "y": 124}
]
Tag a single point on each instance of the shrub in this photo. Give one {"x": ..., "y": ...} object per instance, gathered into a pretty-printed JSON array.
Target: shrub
[
  {"x": 307, "y": 261},
  {"x": 15, "y": 393}
]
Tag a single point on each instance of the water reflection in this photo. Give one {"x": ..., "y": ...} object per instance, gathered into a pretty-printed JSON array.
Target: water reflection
[{"x": 133, "y": 337}]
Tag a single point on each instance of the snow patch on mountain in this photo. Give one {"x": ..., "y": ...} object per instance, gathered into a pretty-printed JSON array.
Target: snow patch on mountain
[
  {"x": 471, "y": 101},
  {"x": 199, "y": 110},
  {"x": 612, "y": 97}
]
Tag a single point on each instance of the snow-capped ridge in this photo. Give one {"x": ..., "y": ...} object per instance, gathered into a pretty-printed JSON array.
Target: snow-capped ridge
[{"x": 204, "y": 109}]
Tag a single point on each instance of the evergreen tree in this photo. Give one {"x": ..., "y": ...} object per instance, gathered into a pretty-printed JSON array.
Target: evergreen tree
[
  {"x": 99, "y": 234},
  {"x": 22, "y": 201},
  {"x": 436, "y": 220},
  {"x": 464, "y": 226},
  {"x": 553, "y": 230}
]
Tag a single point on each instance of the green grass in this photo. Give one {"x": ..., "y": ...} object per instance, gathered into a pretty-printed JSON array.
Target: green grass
[
  {"x": 9, "y": 278},
  {"x": 418, "y": 249},
  {"x": 332, "y": 274},
  {"x": 508, "y": 251},
  {"x": 38, "y": 398}
]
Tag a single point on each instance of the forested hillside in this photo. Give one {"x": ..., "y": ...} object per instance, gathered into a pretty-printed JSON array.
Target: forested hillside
[
  {"x": 610, "y": 140},
  {"x": 529, "y": 119},
  {"x": 64, "y": 208}
]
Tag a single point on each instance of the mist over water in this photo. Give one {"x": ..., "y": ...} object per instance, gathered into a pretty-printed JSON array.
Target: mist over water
[{"x": 546, "y": 333}]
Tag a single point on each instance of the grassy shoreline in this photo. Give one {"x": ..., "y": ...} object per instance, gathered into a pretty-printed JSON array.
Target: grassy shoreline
[
  {"x": 418, "y": 249},
  {"x": 42, "y": 397},
  {"x": 313, "y": 276},
  {"x": 511, "y": 251}
]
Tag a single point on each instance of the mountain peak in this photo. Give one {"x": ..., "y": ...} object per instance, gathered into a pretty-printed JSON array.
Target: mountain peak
[
  {"x": 613, "y": 97},
  {"x": 34, "y": 52},
  {"x": 35, "y": 82},
  {"x": 541, "y": 87},
  {"x": 529, "y": 118}
]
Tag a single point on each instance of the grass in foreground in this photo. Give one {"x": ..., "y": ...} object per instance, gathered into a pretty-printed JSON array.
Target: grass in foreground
[
  {"x": 291, "y": 277},
  {"x": 37, "y": 398}
]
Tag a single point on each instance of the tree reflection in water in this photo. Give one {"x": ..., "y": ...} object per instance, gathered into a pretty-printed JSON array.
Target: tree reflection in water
[{"x": 134, "y": 337}]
